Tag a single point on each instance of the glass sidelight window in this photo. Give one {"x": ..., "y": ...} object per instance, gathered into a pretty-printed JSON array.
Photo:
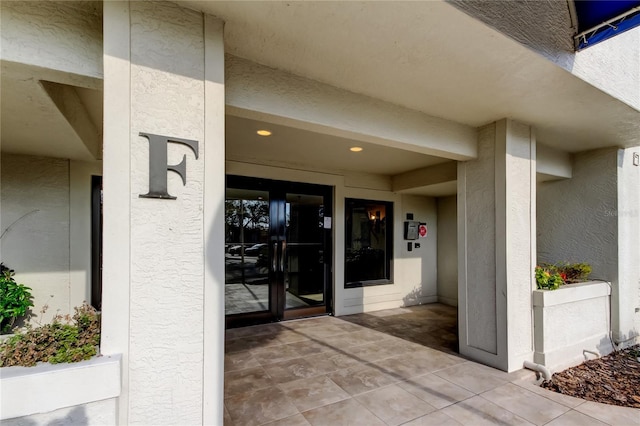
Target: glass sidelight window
[{"x": 369, "y": 242}]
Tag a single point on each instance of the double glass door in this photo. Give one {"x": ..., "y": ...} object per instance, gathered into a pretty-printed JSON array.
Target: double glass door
[{"x": 277, "y": 259}]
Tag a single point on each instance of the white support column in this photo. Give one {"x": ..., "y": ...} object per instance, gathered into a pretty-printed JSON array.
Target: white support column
[
  {"x": 214, "y": 196},
  {"x": 116, "y": 171},
  {"x": 496, "y": 243},
  {"x": 626, "y": 294},
  {"x": 163, "y": 302}
]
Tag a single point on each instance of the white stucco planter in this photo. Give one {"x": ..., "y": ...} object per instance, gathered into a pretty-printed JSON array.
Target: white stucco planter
[
  {"x": 49, "y": 391},
  {"x": 569, "y": 321}
]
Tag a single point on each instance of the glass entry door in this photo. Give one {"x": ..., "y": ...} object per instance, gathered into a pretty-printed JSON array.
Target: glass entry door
[{"x": 277, "y": 257}]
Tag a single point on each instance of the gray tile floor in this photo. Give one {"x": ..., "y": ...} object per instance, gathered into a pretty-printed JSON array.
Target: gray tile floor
[{"x": 391, "y": 367}]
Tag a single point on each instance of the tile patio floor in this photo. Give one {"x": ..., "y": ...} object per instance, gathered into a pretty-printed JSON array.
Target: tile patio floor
[{"x": 390, "y": 367}]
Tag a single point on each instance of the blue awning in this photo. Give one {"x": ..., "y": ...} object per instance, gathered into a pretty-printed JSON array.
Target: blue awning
[{"x": 599, "y": 20}]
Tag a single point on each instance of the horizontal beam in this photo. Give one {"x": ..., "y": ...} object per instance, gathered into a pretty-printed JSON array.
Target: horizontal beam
[
  {"x": 68, "y": 102},
  {"x": 432, "y": 175},
  {"x": 552, "y": 164},
  {"x": 262, "y": 93}
]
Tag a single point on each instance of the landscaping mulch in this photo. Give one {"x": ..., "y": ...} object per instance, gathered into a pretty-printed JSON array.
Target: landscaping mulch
[{"x": 613, "y": 379}]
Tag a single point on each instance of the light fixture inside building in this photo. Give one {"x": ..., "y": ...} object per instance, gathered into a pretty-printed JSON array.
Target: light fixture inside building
[
  {"x": 264, "y": 132},
  {"x": 355, "y": 149}
]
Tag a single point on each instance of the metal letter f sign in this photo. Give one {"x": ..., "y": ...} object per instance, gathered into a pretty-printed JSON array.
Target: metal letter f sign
[{"x": 158, "y": 166}]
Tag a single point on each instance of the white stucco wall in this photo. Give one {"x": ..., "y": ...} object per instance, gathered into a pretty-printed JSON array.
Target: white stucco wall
[
  {"x": 628, "y": 214},
  {"x": 612, "y": 66},
  {"x": 37, "y": 246},
  {"x": 49, "y": 247},
  {"x": 417, "y": 270},
  {"x": 593, "y": 218},
  {"x": 83, "y": 392},
  {"x": 496, "y": 246},
  {"x": 546, "y": 28},
  {"x": 583, "y": 309},
  {"x": 162, "y": 264},
  {"x": 447, "y": 251},
  {"x": 552, "y": 164},
  {"x": 95, "y": 413},
  {"x": 259, "y": 92},
  {"x": 480, "y": 242},
  {"x": 575, "y": 217},
  {"x": 59, "y": 35},
  {"x": 543, "y": 26}
]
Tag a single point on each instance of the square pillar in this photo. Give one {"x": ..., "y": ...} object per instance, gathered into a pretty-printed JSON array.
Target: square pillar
[
  {"x": 625, "y": 298},
  {"x": 496, "y": 243},
  {"x": 163, "y": 261}
]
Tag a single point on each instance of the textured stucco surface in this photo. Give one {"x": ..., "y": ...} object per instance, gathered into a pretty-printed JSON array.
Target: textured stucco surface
[
  {"x": 37, "y": 246},
  {"x": 584, "y": 311},
  {"x": 627, "y": 294},
  {"x": 575, "y": 220},
  {"x": 64, "y": 36},
  {"x": 613, "y": 66},
  {"x": 47, "y": 388},
  {"x": 447, "y": 251},
  {"x": 520, "y": 187},
  {"x": 419, "y": 281},
  {"x": 295, "y": 101},
  {"x": 594, "y": 218},
  {"x": 543, "y": 26},
  {"x": 50, "y": 247},
  {"x": 167, "y": 245},
  {"x": 496, "y": 210},
  {"x": 546, "y": 28},
  {"x": 95, "y": 413},
  {"x": 481, "y": 242}
]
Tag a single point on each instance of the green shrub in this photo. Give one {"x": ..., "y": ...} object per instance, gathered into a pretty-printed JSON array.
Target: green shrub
[
  {"x": 64, "y": 340},
  {"x": 576, "y": 272},
  {"x": 15, "y": 299},
  {"x": 551, "y": 277},
  {"x": 547, "y": 278}
]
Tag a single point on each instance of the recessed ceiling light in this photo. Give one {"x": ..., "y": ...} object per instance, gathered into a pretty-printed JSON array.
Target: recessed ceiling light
[
  {"x": 355, "y": 149},
  {"x": 264, "y": 132}
]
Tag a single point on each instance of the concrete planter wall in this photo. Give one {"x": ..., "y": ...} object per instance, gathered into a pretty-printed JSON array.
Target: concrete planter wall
[
  {"x": 569, "y": 321},
  {"x": 85, "y": 392}
]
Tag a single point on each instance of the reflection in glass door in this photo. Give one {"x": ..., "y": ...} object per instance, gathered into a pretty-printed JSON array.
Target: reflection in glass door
[
  {"x": 277, "y": 260},
  {"x": 246, "y": 251},
  {"x": 304, "y": 273}
]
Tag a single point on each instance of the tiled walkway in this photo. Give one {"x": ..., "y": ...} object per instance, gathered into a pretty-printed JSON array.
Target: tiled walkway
[{"x": 387, "y": 368}]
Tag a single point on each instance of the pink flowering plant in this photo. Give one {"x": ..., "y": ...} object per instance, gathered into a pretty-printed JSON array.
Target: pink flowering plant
[{"x": 552, "y": 276}]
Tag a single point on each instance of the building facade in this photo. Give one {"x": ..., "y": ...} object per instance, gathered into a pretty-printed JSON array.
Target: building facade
[{"x": 418, "y": 153}]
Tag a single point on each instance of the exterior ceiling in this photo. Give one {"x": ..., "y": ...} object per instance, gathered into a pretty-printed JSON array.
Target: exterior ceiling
[
  {"x": 33, "y": 124},
  {"x": 305, "y": 150},
  {"x": 427, "y": 56}
]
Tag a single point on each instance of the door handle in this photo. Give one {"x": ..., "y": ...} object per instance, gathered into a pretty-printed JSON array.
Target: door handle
[
  {"x": 282, "y": 254},
  {"x": 274, "y": 257}
]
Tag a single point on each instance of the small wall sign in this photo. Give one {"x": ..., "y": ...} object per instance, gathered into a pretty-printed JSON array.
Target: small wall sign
[
  {"x": 158, "y": 166},
  {"x": 422, "y": 230}
]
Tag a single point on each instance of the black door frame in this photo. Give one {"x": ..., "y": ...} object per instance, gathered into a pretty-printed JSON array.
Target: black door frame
[
  {"x": 277, "y": 245},
  {"x": 96, "y": 242}
]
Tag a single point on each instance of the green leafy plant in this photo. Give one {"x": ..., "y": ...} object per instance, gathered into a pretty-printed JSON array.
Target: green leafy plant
[
  {"x": 547, "y": 279},
  {"x": 15, "y": 299},
  {"x": 66, "y": 339},
  {"x": 552, "y": 276},
  {"x": 576, "y": 272}
]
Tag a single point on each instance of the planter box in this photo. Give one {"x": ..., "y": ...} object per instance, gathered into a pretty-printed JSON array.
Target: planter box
[
  {"x": 569, "y": 321},
  {"x": 85, "y": 390}
]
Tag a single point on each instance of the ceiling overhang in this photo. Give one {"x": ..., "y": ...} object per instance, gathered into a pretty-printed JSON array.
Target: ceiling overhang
[{"x": 428, "y": 57}]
